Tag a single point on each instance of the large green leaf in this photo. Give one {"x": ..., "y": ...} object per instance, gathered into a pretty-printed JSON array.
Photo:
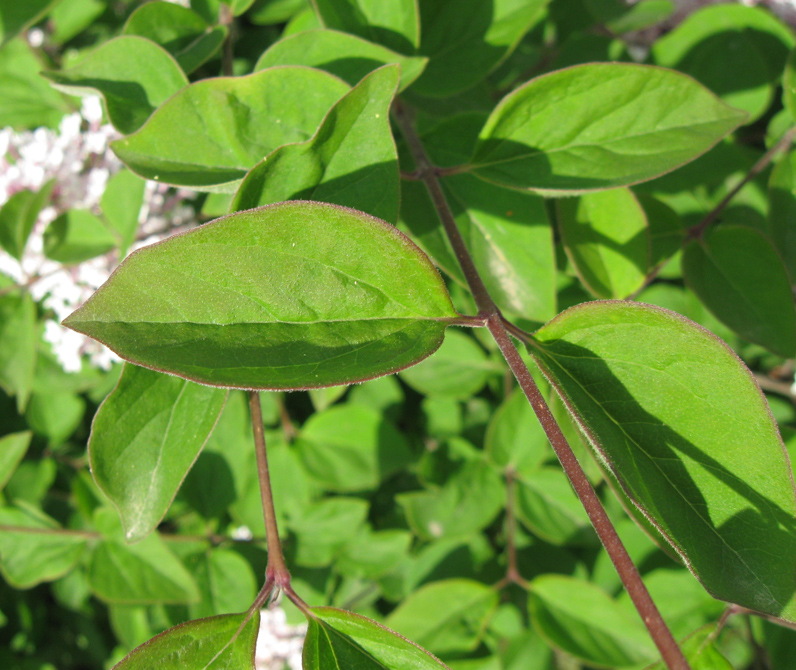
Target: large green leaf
[
  {"x": 739, "y": 276},
  {"x": 446, "y": 616},
  {"x": 192, "y": 645},
  {"x": 145, "y": 437},
  {"x": 340, "y": 640},
  {"x": 350, "y": 161},
  {"x": 465, "y": 39},
  {"x": 141, "y": 573},
  {"x": 28, "y": 101},
  {"x": 18, "y": 335},
  {"x": 40, "y": 551},
  {"x": 179, "y": 30},
  {"x": 580, "y": 618},
  {"x": 211, "y": 133},
  {"x": 394, "y": 23},
  {"x": 294, "y": 295},
  {"x": 607, "y": 239},
  {"x": 703, "y": 459},
  {"x": 343, "y": 55},
  {"x": 133, "y": 75},
  {"x": 599, "y": 126},
  {"x": 351, "y": 448}
]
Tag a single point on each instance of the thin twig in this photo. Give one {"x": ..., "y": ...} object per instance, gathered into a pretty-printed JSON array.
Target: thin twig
[{"x": 660, "y": 633}]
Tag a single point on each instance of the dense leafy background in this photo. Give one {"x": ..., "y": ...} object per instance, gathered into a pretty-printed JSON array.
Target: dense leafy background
[{"x": 392, "y": 495}]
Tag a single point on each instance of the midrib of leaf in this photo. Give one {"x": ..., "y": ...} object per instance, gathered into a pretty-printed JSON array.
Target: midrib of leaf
[
  {"x": 676, "y": 490},
  {"x": 348, "y": 641}
]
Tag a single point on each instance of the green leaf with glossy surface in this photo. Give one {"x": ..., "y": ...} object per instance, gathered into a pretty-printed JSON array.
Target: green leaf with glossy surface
[
  {"x": 40, "y": 553},
  {"x": 18, "y": 215},
  {"x": 12, "y": 448},
  {"x": 133, "y": 75},
  {"x": 18, "y": 335},
  {"x": 466, "y": 39},
  {"x": 142, "y": 573},
  {"x": 77, "y": 235},
  {"x": 195, "y": 643},
  {"x": 446, "y": 616},
  {"x": 346, "y": 56},
  {"x": 350, "y": 161},
  {"x": 340, "y": 640},
  {"x": 288, "y": 296},
  {"x": 393, "y": 23},
  {"x": 704, "y": 460},
  {"x": 580, "y": 618},
  {"x": 599, "y": 126},
  {"x": 211, "y": 133},
  {"x": 179, "y": 30},
  {"x": 739, "y": 276},
  {"x": 145, "y": 437},
  {"x": 606, "y": 238},
  {"x": 351, "y": 448}
]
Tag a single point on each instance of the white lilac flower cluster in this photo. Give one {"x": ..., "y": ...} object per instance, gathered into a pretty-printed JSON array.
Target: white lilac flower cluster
[
  {"x": 77, "y": 156},
  {"x": 278, "y": 644}
]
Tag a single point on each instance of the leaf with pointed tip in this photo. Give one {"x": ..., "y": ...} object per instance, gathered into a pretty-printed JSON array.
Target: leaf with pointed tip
[
  {"x": 393, "y": 23},
  {"x": 350, "y": 161},
  {"x": 703, "y": 460},
  {"x": 12, "y": 448},
  {"x": 289, "y": 296},
  {"x": 583, "y": 620},
  {"x": 739, "y": 276},
  {"x": 599, "y": 126},
  {"x": 141, "y": 573},
  {"x": 194, "y": 644},
  {"x": 179, "y": 30},
  {"x": 145, "y": 437},
  {"x": 39, "y": 553},
  {"x": 606, "y": 237},
  {"x": 133, "y": 75},
  {"x": 340, "y": 640},
  {"x": 77, "y": 235},
  {"x": 349, "y": 57},
  {"x": 211, "y": 133}
]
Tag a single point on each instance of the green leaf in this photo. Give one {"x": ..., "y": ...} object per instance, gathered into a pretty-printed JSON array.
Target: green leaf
[
  {"x": 351, "y": 448},
  {"x": 179, "y": 30},
  {"x": 133, "y": 75},
  {"x": 270, "y": 12},
  {"x": 226, "y": 582},
  {"x": 782, "y": 211},
  {"x": 340, "y": 640},
  {"x": 700, "y": 651},
  {"x": 324, "y": 527},
  {"x": 466, "y": 39},
  {"x": 195, "y": 643},
  {"x": 350, "y": 161},
  {"x": 69, "y": 19},
  {"x": 468, "y": 502},
  {"x": 621, "y": 18},
  {"x": 28, "y": 100},
  {"x": 18, "y": 335},
  {"x": 345, "y": 298},
  {"x": 55, "y": 415},
  {"x": 580, "y": 618},
  {"x": 599, "y": 126},
  {"x": 372, "y": 555},
  {"x": 326, "y": 397},
  {"x": 75, "y": 236},
  {"x": 343, "y": 55},
  {"x": 211, "y": 133},
  {"x": 393, "y": 23},
  {"x": 789, "y": 86},
  {"x": 41, "y": 553},
  {"x": 12, "y": 448},
  {"x": 703, "y": 460},
  {"x": 740, "y": 277},
  {"x": 141, "y": 573},
  {"x": 144, "y": 439},
  {"x": 458, "y": 370},
  {"x": 738, "y": 52},
  {"x": 18, "y": 215},
  {"x": 607, "y": 240},
  {"x": 548, "y": 506},
  {"x": 18, "y": 16},
  {"x": 446, "y": 616},
  {"x": 514, "y": 438},
  {"x": 121, "y": 203}
]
